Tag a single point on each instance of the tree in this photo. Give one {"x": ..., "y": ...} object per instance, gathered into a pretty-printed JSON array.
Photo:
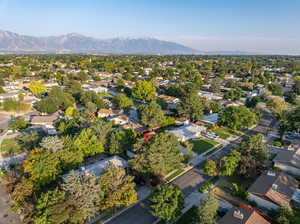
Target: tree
[
  {"x": 238, "y": 117},
  {"x": 144, "y": 91},
  {"x": 252, "y": 102},
  {"x": 42, "y": 166},
  {"x": 18, "y": 123},
  {"x": 278, "y": 106},
  {"x": 208, "y": 210},
  {"x": 293, "y": 119},
  {"x": 287, "y": 215},
  {"x": 291, "y": 97},
  {"x": 37, "y": 88},
  {"x": 102, "y": 130},
  {"x": 52, "y": 143},
  {"x": 210, "y": 168},
  {"x": 253, "y": 154},
  {"x": 166, "y": 202},
  {"x": 276, "y": 89},
  {"x": 233, "y": 95},
  {"x": 70, "y": 111},
  {"x": 46, "y": 208},
  {"x": 84, "y": 192},
  {"x": 117, "y": 188},
  {"x": 92, "y": 97},
  {"x": 192, "y": 107},
  {"x": 120, "y": 141},
  {"x": 229, "y": 163},
  {"x": 158, "y": 157},
  {"x": 56, "y": 99},
  {"x": 151, "y": 114},
  {"x": 215, "y": 86},
  {"x": 88, "y": 143},
  {"x": 122, "y": 101}
]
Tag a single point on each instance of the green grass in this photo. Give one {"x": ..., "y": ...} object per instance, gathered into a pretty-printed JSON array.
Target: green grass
[
  {"x": 222, "y": 133},
  {"x": 175, "y": 174},
  {"x": 201, "y": 146},
  {"x": 10, "y": 147},
  {"x": 189, "y": 216}
]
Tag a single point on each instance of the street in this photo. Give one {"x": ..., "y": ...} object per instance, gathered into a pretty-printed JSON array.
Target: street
[{"x": 190, "y": 181}]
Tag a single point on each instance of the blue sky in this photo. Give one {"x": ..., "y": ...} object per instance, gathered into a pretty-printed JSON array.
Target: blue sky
[{"x": 266, "y": 26}]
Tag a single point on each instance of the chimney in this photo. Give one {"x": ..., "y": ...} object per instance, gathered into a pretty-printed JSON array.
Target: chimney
[{"x": 238, "y": 214}]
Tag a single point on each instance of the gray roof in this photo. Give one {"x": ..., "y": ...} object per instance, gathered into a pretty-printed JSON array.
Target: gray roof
[
  {"x": 292, "y": 157},
  {"x": 99, "y": 167},
  {"x": 279, "y": 187},
  {"x": 244, "y": 217}
]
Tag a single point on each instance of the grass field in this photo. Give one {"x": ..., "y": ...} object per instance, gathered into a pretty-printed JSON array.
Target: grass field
[
  {"x": 222, "y": 133},
  {"x": 202, "y": 145},
  {"x": 188, "y": 217}
]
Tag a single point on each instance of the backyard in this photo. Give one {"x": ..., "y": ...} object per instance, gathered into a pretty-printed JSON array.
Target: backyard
[{"x": 202, "y": 145}]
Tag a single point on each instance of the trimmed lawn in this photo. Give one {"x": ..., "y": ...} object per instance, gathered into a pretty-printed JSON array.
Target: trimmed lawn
[
  {"x": 202, "y": 145},
  {"x": 175, "y": 174},
  {"x": 10, "y": 147},
  {"x": 189, "y": 216},
  {"x": 222, "y": 133}
]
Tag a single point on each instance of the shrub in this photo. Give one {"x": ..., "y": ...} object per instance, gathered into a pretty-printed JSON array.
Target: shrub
[{"x": 206, "y": 187}]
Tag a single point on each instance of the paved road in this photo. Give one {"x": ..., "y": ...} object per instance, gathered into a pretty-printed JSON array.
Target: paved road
[
  {"x": 188, "y": 182},
  {"x": 138, "y": 214}
]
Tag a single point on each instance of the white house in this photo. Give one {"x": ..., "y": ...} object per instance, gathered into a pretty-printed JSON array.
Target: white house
[
  {"x": 188, "y": 131},
  {"x": 273, "y": 190}
]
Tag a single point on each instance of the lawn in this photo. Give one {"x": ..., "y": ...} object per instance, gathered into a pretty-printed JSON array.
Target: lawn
[
  {"x": 222, "y": 133},
  {"x": 188, "y": 217},
  {"x": 175, "y": 174},
  {"x": 10, "y": 147},
  {"x": 201, "y": 146}
]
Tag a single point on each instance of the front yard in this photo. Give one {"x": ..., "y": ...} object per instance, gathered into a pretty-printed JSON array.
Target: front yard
[
  {"x": 202, "y": 145},
  {"x": 222, "y": 132}
]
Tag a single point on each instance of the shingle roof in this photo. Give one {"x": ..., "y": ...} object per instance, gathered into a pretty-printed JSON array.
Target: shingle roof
[
  {"x": 246, "y": 217},
  {"x": 289, "y": 156},
  {"x": 279, "y": 187}
]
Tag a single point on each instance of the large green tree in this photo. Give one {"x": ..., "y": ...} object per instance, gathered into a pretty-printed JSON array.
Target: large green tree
[
  {"x": 166, "y": 202},
  {"x": 157, "y": 157},
  {"x": 151, "y": 114},
  {"x": 192, "y": 107},
  {"x": 208, "y": 210},
  {"x": 118, "y": 188},
  {"x": 144, "y": 90},
  {"x": 238, "y": 117}
]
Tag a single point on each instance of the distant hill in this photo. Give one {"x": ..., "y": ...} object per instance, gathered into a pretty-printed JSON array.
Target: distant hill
[{"x": 75, "y": 43}]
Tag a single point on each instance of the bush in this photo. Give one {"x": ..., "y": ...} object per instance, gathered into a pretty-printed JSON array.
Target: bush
[
  {"x": 238, "y": 192},
  {"x": 206, "y": 187}
]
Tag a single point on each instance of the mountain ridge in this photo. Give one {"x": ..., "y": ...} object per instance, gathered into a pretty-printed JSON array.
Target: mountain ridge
[{"x": 11, "y": 42}]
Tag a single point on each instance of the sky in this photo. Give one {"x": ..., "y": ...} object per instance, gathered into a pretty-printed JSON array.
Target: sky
[{"x": 258, "y": 26}]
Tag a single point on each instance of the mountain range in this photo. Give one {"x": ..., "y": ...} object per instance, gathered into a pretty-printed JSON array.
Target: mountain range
[{"x": 76, "y": 43}]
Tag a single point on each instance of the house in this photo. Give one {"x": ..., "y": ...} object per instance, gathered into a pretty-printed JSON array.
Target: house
[
  {"x": 210, "y": 96},
  {"x": 120, "y": 120},
  {"x": 242, "y": 216},
  {"x": 288, "y": 161},
  {"x": 99, "y": 167},
  {"x": 188, "y": 131},
  {"x": 171, "y": 101},
  {"x": 45, "y": 122},
  {"x": 105, "y": 113},
  {"x": 273, "y": 189}
]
